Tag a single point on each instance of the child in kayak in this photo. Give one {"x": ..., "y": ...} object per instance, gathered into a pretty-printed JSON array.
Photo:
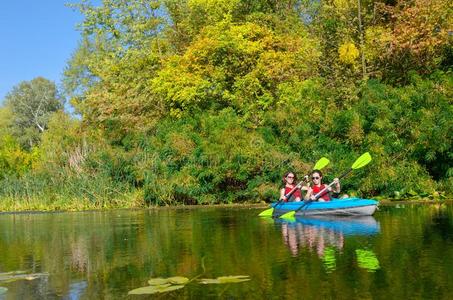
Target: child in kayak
[
  {"x": 289, "y": 185},
  {"x": 318, "y": 186}
]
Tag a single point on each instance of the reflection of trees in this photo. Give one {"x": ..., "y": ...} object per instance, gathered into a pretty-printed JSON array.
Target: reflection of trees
[
  {"x": 79, "y": 255},
  {"x": 110, "y": 253}
]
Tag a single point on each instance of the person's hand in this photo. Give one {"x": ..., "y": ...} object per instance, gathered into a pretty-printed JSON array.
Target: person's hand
[{"x": 336, "y": 181}]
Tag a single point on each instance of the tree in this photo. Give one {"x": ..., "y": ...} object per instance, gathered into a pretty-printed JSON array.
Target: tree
[
  {"x": 242, "y": 66},
  {"x": 106, "y": 78},
  {"x": 6, "y": 121},
  {"x": 32, "y": 103},
  {"x": 409, "y": 36}
]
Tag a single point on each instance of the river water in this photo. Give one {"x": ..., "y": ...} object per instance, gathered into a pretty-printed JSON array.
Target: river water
[{"x": 403, "y": 252}]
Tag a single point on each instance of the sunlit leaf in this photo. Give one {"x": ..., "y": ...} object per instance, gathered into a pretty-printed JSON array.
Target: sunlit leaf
[
  {"x": 154, "y": 289},
  {"x": 412, "y": 192},
  {"x": 172, "y": 280},
  {"x": 158, "y": 281},
  {"x": 178, "y": 280},
  {"x": 225, "y": 279}
]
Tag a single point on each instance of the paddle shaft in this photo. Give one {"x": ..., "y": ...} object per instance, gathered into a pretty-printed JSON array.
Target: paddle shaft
[
  {"x": 292, "y": 191},
  {"x": 298, "y": 186},
  {"x": 362, "y": 161},
  {"x": 332, "y": 183},
  {"x": 323, "y": 191}
]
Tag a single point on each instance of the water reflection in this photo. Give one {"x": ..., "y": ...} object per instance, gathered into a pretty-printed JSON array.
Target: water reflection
[
  {"x": 325, "y": 235},
  {"x": 297, "y": 235},
  {"x": 405, "y": 253}
]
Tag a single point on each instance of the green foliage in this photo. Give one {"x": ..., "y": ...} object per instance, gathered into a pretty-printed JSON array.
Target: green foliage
[
  {"x": 6, "y": 120},
  {"x": 13, "y": 159},
  {"x": 235, "y": 65},
  {"x": 211, "y": 101},
  {"x": 209, "y": 159}
]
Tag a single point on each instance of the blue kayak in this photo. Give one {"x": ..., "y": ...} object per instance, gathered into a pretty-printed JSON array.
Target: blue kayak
[{"x": 342, "y": 207}]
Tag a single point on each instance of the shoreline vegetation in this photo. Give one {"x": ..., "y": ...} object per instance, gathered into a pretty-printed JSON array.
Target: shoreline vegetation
[
  {"x": 80, "y": 206},
  {"x": 211, "y": 102}
]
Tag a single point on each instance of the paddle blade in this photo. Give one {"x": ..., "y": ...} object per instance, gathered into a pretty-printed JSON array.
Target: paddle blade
[
  {"x": 288, "y": 215},
  {"x": 362, "y": 161},
  {"x": 321, "y": 163},
  {"x": 290, "y": 220},
  {"x": 267, "y": 213}
]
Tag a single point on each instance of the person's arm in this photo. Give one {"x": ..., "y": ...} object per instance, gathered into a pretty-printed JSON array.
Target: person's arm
[
  {"x": 337, "y": 186},
  {"x": 282, "y": 194},
  {"x": 309, "y": 193},
  {"x": 298, "y": 193}
]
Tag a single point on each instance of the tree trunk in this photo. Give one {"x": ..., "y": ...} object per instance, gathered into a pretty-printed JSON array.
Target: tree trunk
[{"x": 359, "y": 8}]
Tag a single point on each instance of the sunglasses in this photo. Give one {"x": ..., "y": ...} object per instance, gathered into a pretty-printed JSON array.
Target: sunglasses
[
  {"x": 290, "y": 177},
  {"x": 315, "y": 177}
]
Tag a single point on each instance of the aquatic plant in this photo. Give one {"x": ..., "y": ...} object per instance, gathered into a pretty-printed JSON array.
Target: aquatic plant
[{"x": 163, "y": 285}]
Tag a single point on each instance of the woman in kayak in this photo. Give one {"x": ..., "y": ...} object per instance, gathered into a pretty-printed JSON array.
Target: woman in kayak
[
  {"x": 289, "y": 184},
  {"x": 318, "y": 186}
]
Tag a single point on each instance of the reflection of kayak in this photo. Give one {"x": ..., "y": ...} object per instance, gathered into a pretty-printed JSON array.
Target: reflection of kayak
[
  {"x": 344, "y": 207},
  {"x": 365, "y": 225}
]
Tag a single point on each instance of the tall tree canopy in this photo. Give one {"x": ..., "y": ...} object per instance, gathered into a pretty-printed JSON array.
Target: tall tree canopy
[{"x": 32, "y": 103}]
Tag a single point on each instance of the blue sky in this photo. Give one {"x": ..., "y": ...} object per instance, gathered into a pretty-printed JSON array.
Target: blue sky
[{"x": 37, "y": 37}]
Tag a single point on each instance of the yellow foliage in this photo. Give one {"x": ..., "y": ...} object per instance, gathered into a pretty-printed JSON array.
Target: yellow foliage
[
  {"x": 13, "y": 159},
  {"x": 214, "y": 10},
  {"x": 344, "y": 4},
  {"x": 239, "y": 65},
  {"x": 377, "y": 42},
  {"x": 348, "y": 53}
]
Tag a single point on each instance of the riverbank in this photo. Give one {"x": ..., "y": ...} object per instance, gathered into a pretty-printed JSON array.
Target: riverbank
[{"x": 132, "y": 201}]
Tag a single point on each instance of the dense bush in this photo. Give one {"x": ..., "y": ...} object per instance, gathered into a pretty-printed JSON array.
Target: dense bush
[{"x": 201, "y": 102}]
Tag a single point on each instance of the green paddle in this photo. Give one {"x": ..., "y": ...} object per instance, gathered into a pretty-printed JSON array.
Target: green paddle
[
  {"x": 360, "y": 162},
  {"x": 320, "y": 164}
]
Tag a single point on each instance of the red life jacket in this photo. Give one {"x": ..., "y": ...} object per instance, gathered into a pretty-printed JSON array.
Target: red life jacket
[
  {"x": 325, "y": 196},
  {"x": 294, "y": 195}
]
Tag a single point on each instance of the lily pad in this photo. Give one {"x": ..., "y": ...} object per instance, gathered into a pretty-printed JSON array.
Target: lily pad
[
  {"x": 178, "y": 280},
  {"x": 225, "y": 279},
  {"x": 172, "y": 280},
  {"x": 154, "y": 289},
  {"x": 15, "y": 276},
  {"x": 3, "y": 290},
  {"x": 158, "y": 281}
]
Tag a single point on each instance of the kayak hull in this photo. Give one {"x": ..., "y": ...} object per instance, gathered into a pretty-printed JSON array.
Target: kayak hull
[{"x": 336, "y": 207}]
